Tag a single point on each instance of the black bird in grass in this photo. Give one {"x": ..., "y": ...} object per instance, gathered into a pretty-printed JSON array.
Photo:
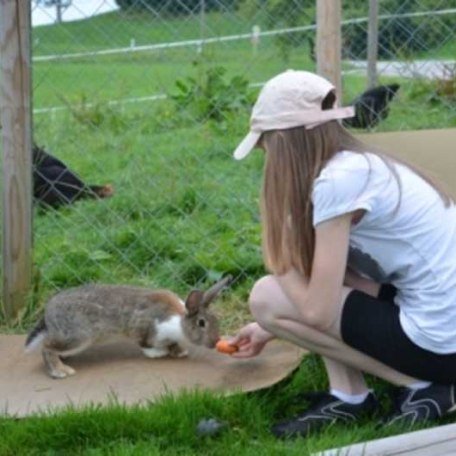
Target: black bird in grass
[
  {"x": 372, "y": 106},
  {"x": 55, "y": 185}
]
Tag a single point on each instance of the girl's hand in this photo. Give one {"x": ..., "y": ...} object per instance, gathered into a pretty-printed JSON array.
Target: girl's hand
[{"x": 251, "y": 339}]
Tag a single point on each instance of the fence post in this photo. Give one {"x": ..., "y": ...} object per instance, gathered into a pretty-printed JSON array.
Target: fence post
[
  {"x": 202, "y": 24},
  {"x": 329, "y": 42},
  {"x": 15, "y": 109},
  {"x": 372, "y": 44}
]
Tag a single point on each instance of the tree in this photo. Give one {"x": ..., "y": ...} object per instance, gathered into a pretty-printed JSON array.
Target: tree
[
  {"x": 401, "y": 35},
  {"x": 174, "y": 7}
]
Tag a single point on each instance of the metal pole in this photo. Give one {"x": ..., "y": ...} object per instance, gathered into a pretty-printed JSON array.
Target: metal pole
[
  {"x": 202, "y": 24},
  {"x": 372, "y": 44},
  {"x": 329, "y": 42},
  {"x": 58, "y": 10},
  {"x": 15, "y": 112}
]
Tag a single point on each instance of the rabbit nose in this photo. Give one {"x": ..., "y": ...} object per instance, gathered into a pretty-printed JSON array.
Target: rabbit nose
[{"x": 214, "y": 341}]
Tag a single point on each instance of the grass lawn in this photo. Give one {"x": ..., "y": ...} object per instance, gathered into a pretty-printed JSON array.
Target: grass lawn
[
  {"x": 184, "y": 213},
  {"x": 168, "y": 426}
]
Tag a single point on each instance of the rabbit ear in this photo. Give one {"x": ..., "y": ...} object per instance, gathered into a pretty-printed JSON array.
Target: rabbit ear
[
  {"x": 214, "y": 291},
  {"x": 194, "y": 301}
]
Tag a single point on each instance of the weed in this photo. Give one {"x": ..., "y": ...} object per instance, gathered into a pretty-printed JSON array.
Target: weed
[
  {"x": 209, "y": 95},
  {"x": 446, "y": 87},
  {"x": 95, "y": 114}
]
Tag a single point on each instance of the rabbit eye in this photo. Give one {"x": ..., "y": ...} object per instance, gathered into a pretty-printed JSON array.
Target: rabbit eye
[{"x": 201, "y": 323}]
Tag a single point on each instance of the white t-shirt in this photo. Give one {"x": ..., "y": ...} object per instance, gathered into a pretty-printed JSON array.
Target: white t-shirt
[{"x": 412, "y": 246}]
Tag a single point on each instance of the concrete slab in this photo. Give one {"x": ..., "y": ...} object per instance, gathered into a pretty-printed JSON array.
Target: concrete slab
[
  {"x": 120, "y": 371},
  {"x": 427, "y": 69},
  {"x": 437, "y": 441},
  {"x": 432, "y": 150}
]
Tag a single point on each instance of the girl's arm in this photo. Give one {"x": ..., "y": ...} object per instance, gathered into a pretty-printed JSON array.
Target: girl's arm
[{"x": 318, "y": 300}]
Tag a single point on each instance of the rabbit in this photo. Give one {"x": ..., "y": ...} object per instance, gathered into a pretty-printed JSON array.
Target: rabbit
[{"x": 157, "y": 320}]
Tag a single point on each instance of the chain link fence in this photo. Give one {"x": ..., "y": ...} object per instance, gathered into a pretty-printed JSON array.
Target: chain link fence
[{"x": 143, "y": 101}]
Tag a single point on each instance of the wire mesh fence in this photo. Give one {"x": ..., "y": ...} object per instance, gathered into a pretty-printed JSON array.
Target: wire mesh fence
[{"x": 140, "y": 104}]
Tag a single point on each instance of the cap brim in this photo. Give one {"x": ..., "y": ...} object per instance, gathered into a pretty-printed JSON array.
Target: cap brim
[{"x": 246, "y": 145}]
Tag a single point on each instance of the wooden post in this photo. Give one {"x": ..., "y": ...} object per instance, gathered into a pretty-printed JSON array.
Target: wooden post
[
  {"x": 15, "y": 110},
  {"x": 372, "y": 44},
  {"x": 329, "y": 42}
]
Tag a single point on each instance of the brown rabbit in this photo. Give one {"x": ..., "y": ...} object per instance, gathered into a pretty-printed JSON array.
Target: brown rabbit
[{"x": 158, "y": 320}]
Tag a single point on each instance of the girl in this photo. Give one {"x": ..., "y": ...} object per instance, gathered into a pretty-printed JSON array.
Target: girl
[{"x": 362, "y": 253}]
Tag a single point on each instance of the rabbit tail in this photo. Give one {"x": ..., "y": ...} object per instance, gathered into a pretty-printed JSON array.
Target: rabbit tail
[{"x": 36, "y": 336}]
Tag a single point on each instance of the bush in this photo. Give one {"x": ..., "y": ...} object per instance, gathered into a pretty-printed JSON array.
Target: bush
[
  {"x": 398, "y": 36},
  {"x": 175, "y": 7},
  {"x": 277, "y": 14},
  {"x": 210, "y": 96}
]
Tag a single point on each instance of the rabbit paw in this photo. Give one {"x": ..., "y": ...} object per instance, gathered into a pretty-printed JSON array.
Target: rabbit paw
[
  {"x": 182, "y": 354},
  {"x": 62, "y": 372},
  {"x": 176, "y": 351},
  {"x": 155, "y": 352}
]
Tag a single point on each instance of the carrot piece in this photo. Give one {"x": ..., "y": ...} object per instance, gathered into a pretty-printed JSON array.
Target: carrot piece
[{"x": 224, "y": 347}]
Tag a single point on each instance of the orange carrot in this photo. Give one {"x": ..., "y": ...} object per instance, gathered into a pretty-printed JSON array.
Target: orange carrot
[{"x": 224, "y": 347}]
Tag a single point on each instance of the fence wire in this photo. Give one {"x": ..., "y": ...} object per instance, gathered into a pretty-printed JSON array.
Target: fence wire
[{"x": 138, "y": 105}]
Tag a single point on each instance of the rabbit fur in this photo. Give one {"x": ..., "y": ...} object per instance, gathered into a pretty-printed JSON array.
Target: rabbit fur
[{"x": 157, "y": 320}]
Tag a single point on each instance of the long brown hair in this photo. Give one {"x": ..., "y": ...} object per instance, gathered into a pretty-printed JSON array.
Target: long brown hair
[{"x": 294, "y": 158}]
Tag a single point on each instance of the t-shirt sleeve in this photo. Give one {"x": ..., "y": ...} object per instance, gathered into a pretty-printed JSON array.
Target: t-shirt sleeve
[{"x": 340, "y": 191}]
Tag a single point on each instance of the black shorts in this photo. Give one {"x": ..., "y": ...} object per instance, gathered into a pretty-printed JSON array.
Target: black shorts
[{"x": 371, "y": 325}]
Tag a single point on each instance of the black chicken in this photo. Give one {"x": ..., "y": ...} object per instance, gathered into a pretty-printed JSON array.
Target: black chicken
[
  {"x": 55, "y": 185},
  {"x": 372, "y": 106}
]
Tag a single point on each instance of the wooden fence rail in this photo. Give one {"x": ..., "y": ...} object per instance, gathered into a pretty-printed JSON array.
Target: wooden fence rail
[{"x": 15, "y": 110}]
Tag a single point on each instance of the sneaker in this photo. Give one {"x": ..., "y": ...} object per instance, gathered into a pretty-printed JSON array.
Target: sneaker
[
  {"x": 422, "y": 405},
  {"x": 326, "y": 410}
]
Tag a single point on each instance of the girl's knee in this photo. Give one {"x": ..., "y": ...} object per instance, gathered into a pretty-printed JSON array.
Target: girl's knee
[
  {"x": 265, "y": 299},
  {"x": 272, "y": 309}
]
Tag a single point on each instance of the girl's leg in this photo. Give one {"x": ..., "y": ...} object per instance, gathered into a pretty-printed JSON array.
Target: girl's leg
[
  {"x": 421, "y": 401},
  {"x": 275, "y": 313},
  {"x": 353, "y": 280},
  {"x": 344, "y": 378}
]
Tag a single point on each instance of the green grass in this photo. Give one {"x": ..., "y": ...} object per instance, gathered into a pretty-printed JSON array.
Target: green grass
[
  {"x": 184, "y": 212},
  {"x": 117, "y": 29},
  {"x": 168, "y": 426},
  {"x": 149, "y": 73},
  {"x": 446, "y": 51}
]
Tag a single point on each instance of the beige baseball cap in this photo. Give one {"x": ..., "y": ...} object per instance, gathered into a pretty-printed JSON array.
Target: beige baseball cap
[{"x": 290, "y": 99}]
